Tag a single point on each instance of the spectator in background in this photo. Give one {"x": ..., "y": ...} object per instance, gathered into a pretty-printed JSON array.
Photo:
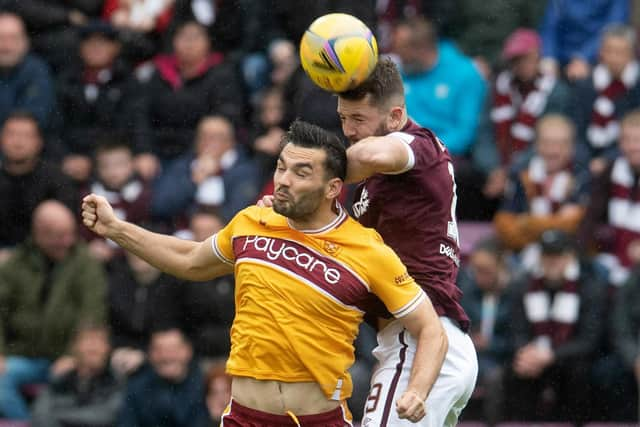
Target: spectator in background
[
  {"x": 480, "y": 28},
  {"x": 571, "y": 31},
  {"x": 47, "y": 288},
  {"x": 25, "y": 179},
  {"x": 139, "y": 15},
  {"x": 96, "y": 95},
  {"x": 208, "y": 308},
  {"x": 118, "y": 182},
  {"x": 25, "y": 82},
  {"x": 603, "y": 99},
  {"x": 184, "y": 87},
  {"x": 522, "y": 94},
  {"x": 218, "y": 389},
  {"x": 170, "y": 391},
  {"x": 625, "y": 328},
  {"x": 216, "y": 174},
  {"x": 615, "y": 204},
  {"x": 488, "y": 300},
  {"x": 141, "y": 299},
  {"x": 53, "y": 25},
  {"x": 556, "y": 329},
  {"x": 444, "y": 90},
  {"x": 87, "y": 396},
  {"x": 545, "y": 191}
]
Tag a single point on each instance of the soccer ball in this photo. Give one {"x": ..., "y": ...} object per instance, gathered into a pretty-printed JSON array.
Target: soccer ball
[{"x": 338, "y": 52}]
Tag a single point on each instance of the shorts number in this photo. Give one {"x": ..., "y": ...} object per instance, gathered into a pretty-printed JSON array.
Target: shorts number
[{"x": 374, "y": 397}]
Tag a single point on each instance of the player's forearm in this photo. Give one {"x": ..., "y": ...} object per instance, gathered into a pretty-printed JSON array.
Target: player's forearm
[
  {"x": 167, "y": 253},
  {"x": 430, "y": 354},
  {"x": 374, "y": 155}
]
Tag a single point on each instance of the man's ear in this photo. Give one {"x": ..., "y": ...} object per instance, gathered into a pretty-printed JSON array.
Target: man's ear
[
  {"x": 394, "y": 119},
  {"x": 334, "y": 187}
]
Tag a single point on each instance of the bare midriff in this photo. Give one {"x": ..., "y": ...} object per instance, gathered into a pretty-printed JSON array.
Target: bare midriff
[{"x": 277, "y": 397}]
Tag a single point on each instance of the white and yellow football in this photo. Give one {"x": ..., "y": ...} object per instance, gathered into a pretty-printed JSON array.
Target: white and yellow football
[{"x": 338, "y": 52}]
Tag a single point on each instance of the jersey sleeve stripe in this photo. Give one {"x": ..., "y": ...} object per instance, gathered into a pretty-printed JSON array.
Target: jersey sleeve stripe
[
  {"x": 216, "y": 250},
  {"x": 411, "y": 157},
  {"x": 411, "y": 305}
]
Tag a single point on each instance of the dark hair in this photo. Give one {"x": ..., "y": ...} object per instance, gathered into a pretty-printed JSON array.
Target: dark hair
[
  {"x": 112, "y": 142},
  {"x": 307, "y": 135},
  {"x": 384, "y": 83},
  {"x": 423, "y": 33}
]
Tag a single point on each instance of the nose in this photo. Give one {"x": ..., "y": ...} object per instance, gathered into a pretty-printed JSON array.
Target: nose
[
  {"x": 282, "y": 178},
  {"x": 348, "y": 129}
]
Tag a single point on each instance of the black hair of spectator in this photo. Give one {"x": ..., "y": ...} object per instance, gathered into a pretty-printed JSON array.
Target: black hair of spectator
[
  {"x": 307, "y": 135},
  {"x": 111, "y": 142},
  {"x": 24, "y": 115},
  {"x": 181, "y": 26},
  {"x": 90, "y": 326},
  {"x": 383, "y": 85},
  {"x": 166, "y": 328}
]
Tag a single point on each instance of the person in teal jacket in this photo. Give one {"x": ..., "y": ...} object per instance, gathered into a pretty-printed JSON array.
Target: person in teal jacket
[{"x": 445, "y": 92}]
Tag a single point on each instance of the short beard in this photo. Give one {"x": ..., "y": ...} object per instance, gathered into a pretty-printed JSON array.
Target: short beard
[{"x": 302, "y": 208}]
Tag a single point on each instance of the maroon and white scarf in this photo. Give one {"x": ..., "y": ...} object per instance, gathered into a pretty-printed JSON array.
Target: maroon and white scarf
[
  {"x": 624, "y": 209},
  {"x": 547, "y": 197},
  {"x": 516, "y": 110},
  {"x": 553, "y": 319},
  {"x": 604, "y": 128}
]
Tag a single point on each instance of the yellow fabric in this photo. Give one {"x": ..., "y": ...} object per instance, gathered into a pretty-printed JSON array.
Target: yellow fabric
[{"x": 288, "y": 326}]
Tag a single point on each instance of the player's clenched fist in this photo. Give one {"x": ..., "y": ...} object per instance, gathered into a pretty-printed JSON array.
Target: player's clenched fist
[
  {"x": 410, "y": 407},
  {"x": 97, "y": 214}
]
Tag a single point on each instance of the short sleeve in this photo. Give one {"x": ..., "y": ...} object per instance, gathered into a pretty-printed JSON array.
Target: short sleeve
[
  {"x": 222, "y": 242},
  {"x": 390, "y": 281}
]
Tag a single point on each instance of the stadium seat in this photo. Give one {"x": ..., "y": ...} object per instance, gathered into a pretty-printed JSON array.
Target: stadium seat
[
  {"x": 610, "y": 425},
  {"x": 534, "y": 424},
  {"x": 470, "y": 233},
  {"x": 10, "y": 423}
]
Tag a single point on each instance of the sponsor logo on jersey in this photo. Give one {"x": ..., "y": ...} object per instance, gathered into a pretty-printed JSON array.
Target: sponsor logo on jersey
[
  {"x": 450, "y": 252},
  {"x": 280, "y": 251},
  {"x": 402, "y": 278},
  {"x": 360, "y": 207}
]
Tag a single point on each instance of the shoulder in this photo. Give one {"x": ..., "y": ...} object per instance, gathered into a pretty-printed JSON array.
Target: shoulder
[{"x": 32, "y": 63}]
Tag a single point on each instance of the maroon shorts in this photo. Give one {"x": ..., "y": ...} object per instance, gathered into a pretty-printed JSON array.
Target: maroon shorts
[{"x": 237, "y": 415}]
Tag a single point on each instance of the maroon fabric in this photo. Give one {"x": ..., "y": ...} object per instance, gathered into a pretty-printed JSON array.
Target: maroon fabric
[
  {"x": 558, "y": 332},
  {"x": 614, "y": 91},
  {"x": 241, "y": 416},
  {"x": 167, "y": 66},
  {"x": 412, "y": 212},
  {"x": 623, "y": 237},
  {"x": 508, "y": 144}
]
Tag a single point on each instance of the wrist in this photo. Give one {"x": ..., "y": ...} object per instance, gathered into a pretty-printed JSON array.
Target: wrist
[{"x": 420, "y": 395}]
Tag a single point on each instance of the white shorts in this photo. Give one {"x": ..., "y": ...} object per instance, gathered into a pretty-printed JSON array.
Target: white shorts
[{"x": 450, "y": 393}]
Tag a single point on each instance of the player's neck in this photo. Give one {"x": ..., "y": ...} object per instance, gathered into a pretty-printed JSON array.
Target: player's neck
[{"x": 320, "y": 220}]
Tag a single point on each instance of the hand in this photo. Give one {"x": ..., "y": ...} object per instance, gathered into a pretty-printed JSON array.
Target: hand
[
  {"x": 147, "y": 165},
  {"x": 269, "y": 143},
  {"x": 597, "y": 166},
  {"x": 62, "y": 366},
  {"x": 496, "y": 183},
  {"x": 97, "y": 215},
  {"x": 266, "y": 201},
  {"x": 100, "y": 250},
  {"x": 77, "y": 18},
  {"x": 3, "y": 364},
  {"x": 633, "y": 251},
  {"x": 204, "y": 167},
  {"x": 411, "y": 406},
  {"x": 5, "y": 254},
  {"x": 77, "y": 167},
  {"x": 126, "y": 360},
  {"x": 578, "y": 69}
]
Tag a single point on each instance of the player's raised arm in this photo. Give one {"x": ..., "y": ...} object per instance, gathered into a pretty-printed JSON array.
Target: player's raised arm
[
  {"x": 378, "y": 154},
  {"x": 425, "y": 326},
  {"x": 181, "y": 258}
]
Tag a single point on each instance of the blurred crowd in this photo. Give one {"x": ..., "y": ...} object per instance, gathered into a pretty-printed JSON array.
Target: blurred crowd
[{"x": 173, "y": 110}]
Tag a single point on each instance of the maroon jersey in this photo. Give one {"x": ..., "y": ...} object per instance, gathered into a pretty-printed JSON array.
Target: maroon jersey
[{"x": 414, "y": 212}]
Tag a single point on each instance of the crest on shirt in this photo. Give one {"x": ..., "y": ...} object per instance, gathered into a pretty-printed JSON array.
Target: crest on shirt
[
  {"x": 331, "y": 248},
  {"x": 360, "y": 207}
]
